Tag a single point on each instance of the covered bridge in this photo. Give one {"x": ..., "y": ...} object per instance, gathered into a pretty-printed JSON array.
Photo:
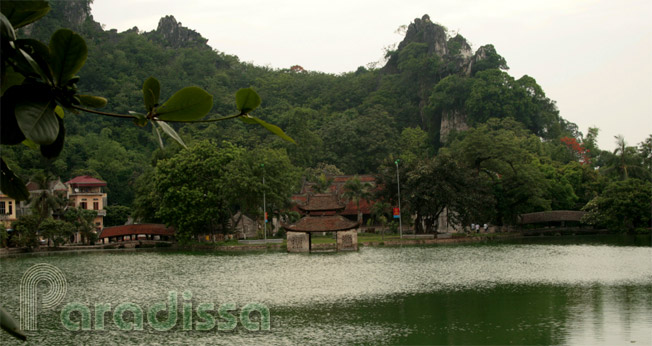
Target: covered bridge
[{"x": 135, "y": 232}]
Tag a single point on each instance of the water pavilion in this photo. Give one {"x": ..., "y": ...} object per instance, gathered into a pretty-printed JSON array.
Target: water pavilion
[{"x": 321, "y": 214}]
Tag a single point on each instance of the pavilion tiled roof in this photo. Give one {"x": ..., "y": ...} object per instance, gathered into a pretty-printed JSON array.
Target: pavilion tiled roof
[
  {"x": 86, "y": 180},
  {"x": 149, "y": 228},
  {"x": 321, "y": 224},
  {"x": 322, "y": 202}
]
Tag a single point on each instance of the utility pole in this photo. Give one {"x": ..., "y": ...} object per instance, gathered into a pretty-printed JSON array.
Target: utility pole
[
  {"x": 400, "y": 212},
  {"x": 264, "y": 206}
]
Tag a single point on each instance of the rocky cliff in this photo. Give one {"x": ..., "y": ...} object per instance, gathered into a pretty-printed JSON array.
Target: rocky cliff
[
  {"x": 443, "y": 55},
  {"x": 172, "y": 34}
]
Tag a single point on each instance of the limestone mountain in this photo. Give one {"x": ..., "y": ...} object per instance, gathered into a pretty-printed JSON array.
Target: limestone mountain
[{"x": 431, "y": 87}]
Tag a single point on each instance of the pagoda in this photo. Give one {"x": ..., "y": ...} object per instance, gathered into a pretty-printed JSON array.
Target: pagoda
[{"x": 321, "y": 214}]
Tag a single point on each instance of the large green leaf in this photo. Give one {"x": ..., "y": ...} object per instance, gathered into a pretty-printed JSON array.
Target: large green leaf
[
  {"x": 10, "y": 133},
  {"x": 270, "y": 127},
  {"x": 10, "y": 78},
  {"x": 6, "y": 29},
  {"x": 187, "y": 104},
  {"x": 34, "y": 111},
  {"x": 21, "y": 12},
  {"x": 247, "y": 100},
  {"x": 158, "y": 134},
  {"x": 37, "y": 55},
  {"x": 171, "y": 132},
  {"x": 53, "y": 150},
  {"x": 68, "y": 54},
  {"x": 151, "y": 93},
  {"x": 11, "y": 185}
]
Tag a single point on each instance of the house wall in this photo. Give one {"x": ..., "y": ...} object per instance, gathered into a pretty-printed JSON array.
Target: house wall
[
  {"x": 7, "y": 210},
  {"x": 94, "y": 199}
]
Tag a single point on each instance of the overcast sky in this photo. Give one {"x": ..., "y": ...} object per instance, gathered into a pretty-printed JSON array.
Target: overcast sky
[{"x": 593, "y": 57}]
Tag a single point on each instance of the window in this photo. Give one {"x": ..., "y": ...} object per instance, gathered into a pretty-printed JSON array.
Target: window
[
  {"x": 83, "y": 205},
  {"x": 11, "y": 208},
  {"x": 96, "y": 205},
  {"x": 2, "y": 208}
]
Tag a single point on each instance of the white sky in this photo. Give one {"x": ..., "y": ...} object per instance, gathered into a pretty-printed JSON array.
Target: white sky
[{"x": 591, "y": 56}]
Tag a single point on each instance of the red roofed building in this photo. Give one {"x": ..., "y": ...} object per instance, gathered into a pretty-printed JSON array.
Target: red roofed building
[
  {"x": 87, "y": 192},
  {"x": 337, "y": 187}
]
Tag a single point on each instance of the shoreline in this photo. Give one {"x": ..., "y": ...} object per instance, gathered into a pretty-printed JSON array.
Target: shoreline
[{"x": 156, "y": 246}]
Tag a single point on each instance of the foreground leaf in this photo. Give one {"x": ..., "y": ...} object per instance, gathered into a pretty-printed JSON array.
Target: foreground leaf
[
  {"x": 6, "y": 29},
  {"x": 10, "y": 184},
  {"x": 171, "y": 132},
  {"x": 34, "y": 111},
  {"x": 151, "y": 93},
  {"x": 53, "y": 150},
  {"x": 68, "y": 54},
  {"x": 21, "y": 13},
  {"x": 92, "y": 101},
  {"x": 10, "y": 78},
  {"x": 247, "y": 100},
  {"x": 158, "y": 134},
  {"x": 270, "y": 127},
  {"x": 10, "y": 133},
  {"x": 139, "y": 119},
  {"x": 37, "y": 55},
  {"x": 187, "y": 104}
]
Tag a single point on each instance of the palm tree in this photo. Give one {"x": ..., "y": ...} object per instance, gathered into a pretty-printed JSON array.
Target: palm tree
[
  {"x": 626, "y": 161},
  {"x": 46, "y": 201},
  {"x": 379, "y": 211},
  {"x": 355, "y": 190}
]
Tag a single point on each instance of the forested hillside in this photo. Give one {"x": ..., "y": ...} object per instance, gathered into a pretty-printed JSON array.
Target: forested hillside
[{"x": 434, "y": 97}]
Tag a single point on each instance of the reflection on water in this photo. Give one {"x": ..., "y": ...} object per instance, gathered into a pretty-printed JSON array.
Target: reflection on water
[{"x": 482, "y": 294}]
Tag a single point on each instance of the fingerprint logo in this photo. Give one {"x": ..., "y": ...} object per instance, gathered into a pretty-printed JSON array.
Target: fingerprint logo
[{"x": 36, "y": 274}]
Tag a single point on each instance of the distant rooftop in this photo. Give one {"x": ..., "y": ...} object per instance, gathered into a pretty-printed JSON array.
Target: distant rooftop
[{"x": 85, "y": 180}]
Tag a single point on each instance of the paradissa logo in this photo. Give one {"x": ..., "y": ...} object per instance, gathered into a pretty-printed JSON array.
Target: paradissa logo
[{"x": 162, "y": 316}]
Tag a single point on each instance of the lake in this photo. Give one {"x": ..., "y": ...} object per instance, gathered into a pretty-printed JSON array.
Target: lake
[{"x": 583, "y": 290}]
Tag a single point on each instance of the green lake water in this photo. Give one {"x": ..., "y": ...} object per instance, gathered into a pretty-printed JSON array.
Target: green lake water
[{"x": 552, "y": 290}]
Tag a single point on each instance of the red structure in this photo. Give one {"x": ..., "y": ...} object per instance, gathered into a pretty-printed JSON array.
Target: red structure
[
  {"x": 337, "y": 188},
  {"x": 134, "y": 232}
]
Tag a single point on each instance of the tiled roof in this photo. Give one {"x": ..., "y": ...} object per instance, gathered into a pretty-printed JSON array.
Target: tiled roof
[
  {"x": 321, "y": 224},
  {"x": 322, "y": 202},
  {"x": 352, "y": 208},
  {"x": 86, "y": 180},
  {"x": 54, "y": 185},
  {"x": 149, "y": 228}
]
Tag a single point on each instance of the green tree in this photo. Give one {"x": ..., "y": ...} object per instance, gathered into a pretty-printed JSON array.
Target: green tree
[
  {"x": 439, "y": 184},
  {"x": 191, "y": 188},
  {"x": 116, "y": 215},
  {"x": 82, "y": 223},
  {"x": 505, "y": 154},
  {"x": 57, "y": 232},
  {"x": 623, "y": 206},
  {"x": 26, "y": 229},
  {"x": 243, "y": 181},
  {"x": 413, "y": 144},
  {"x": 625, "y": 162},
  {"x": 321, "y": 183},
  {"x": 4, "y": 235},
  {"x": 356, "y": 190},
  {"x": 645, "y": 151}
]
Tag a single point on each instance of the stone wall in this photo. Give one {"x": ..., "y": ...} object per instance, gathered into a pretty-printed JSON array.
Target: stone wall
[
  {"x": 298, "y": 242},
  {"x": 347, "y": 240}
]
